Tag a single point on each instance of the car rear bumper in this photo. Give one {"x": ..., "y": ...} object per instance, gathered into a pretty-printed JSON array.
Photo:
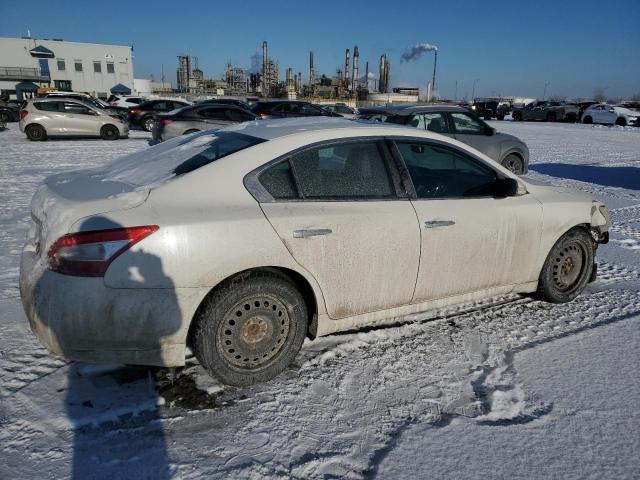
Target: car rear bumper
[{"x": 82, "y": 319}]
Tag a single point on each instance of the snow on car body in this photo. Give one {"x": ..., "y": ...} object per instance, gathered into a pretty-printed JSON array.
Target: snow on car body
[{"x": 240, "y": 242}]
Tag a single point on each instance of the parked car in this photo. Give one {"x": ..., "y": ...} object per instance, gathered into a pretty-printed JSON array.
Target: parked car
[
  {"x": 611, "y": 115},
  {"x": 289, "y": 108},
  {"x": 239, "y": 243},
  {"x": 457, "y": 122},
  {"x": 144, "y": 114},
  {"x": 547, "y": 111},
  {"x": 48, "y": 117},
  {"x": 342, "y": 109},
  {"x": 228, "y": 101},
  {"x": 95, "y": 102},
  {"x": 203, "y": 116},
  {"x": 125, "y": 101},
  {"x": 9, "y": 113},
  {"x": 489, "y": 108}
]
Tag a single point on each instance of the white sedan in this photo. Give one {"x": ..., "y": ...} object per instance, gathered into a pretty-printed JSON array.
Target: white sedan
[
  {"x": 241, "y": 242},
  {"x": 611, "y": 115}
]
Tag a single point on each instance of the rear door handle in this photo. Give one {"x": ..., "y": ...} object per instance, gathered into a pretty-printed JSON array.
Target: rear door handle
[
  {"x": 311, "y": 233},
  {"x": 438, "y": 223}
]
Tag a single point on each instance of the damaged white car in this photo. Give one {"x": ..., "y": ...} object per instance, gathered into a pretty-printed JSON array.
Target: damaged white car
[{"x": 241, "y": 242}]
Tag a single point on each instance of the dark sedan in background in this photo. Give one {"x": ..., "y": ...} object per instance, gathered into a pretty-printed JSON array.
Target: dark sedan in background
[
  {"x": 144, "y": 114},
  {"x": 203, "y": 116},
  {"x": 289, "y": 108}
]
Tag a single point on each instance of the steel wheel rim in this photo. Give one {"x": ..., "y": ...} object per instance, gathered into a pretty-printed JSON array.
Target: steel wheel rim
[
  {"x": 149, "y": 124},
  {"x": 253, "y": 332},
  {"x": 568, "y": 266},
  {"x": 36, "y": 133},
  {"x": 515, "y": 165}
]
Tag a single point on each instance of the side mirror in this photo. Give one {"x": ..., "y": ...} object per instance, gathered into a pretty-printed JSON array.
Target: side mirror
[
  {"x": 505, "y": 187},
  {"x": 488, "y": 131}
]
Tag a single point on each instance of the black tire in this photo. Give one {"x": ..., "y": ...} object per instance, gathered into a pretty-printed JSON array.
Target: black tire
[
  {"x": 189, "y": 132},
  {"x": 500, "y": 117},
  {"x": 5, "y": 117},
  {"x": 487, "y": 116},
  {"x": 568, "y": 267},
  {"x": 588, "y": 120},
  {"x": 514, "y": 163},
  {"x": 517, "y": 117},
  {"x": 109, "y": 132},
  {"x": 147, "y": 123},
  {"x": 551, "y": 117},
  {"x": 621, "y": 121},
  {"x": 36, "y": 133},
  {"x": 250, "y": 329}
]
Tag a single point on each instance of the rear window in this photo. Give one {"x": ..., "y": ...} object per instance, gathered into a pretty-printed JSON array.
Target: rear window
[{"x": 176, "y": 157}]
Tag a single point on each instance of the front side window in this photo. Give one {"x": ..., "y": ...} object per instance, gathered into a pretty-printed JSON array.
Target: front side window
[
  {"x": 61, "y": 64},
  {"x": 236, "y": 115},
  {"x": 441, "y": 172},
  {"x": 213, "y": 114},
  {"x": 48, "y": 106},
  {"x": 345, "y": 171},
  {"x": 111, "y": 67},
  {"x": 433, "y": 122},
  {"x": 78, "y": 65},
  {"x": 466, "y": 124},
  {"x": 310, "y": 110},
  {"x": 77, "y": 109},
  {"x": 97, "y": 67}
]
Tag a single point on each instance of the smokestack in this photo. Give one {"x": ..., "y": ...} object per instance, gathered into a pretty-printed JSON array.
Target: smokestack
[
  {"x": 264, "y": 70},
  {"x": 347, "y": 69},
  {"x": 355, "y": 68},
  {"x": 366, "y": 74},
  {"x": 299, "y": 85},
  {"x": 312, "y": 75},
  {"x": 433, "y": 82},
  {"x": 381, "y": 85}
]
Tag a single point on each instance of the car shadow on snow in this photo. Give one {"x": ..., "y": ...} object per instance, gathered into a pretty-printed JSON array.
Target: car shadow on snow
[
  {"x": 114, "y": 397},
  {"x": 621, "y": 177}
]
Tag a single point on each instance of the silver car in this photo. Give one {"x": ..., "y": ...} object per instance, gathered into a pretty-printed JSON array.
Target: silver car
[
  {"x": 240, "y": 242},
  {"x": 459, "y": 123},
  {"x": 196, "y": 118},
  {"x": 44, "y": 117}
]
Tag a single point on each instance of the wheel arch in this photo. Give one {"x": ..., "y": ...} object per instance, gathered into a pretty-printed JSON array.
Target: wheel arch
[{"x": 303, "y": 285}]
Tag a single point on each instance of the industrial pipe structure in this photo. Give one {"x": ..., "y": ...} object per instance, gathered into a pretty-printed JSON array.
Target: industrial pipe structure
[
  {"x": 347, "y": 68},
  {"x": 312, "y": 76},
  {"x": 355, "y": 69},
  {"x": 264, "y": 89}
]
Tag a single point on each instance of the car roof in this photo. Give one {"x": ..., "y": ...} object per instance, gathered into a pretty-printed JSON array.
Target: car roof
[
  {"x": 54, "y": 99},
  {"x": 282, "y": 127},
  {"x": 410, "y": 109}
]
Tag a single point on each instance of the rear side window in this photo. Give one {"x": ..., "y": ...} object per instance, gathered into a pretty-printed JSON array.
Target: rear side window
[
  {"x": 213, "y": 113},
  {"x": 440, "y": 172},
  {"x": 236, "y": 115},
  {"x": 48, "y": 106},
  {"x": 345, "y": 171}
]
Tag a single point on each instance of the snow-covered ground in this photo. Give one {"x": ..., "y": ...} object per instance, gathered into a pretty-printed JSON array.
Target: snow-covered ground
[{"x": 503, "y": 388}]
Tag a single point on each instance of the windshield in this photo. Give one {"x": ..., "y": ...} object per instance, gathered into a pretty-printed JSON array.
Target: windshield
[{"x": 176, "y": 157}]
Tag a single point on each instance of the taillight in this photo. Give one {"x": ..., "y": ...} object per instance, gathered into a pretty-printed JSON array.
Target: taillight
[
  {"x": 262, "y": 116},
  {"x": 89, "y": 254},
  {"x": 135, "y": 111},
  {"x": 23, "y": 113}
]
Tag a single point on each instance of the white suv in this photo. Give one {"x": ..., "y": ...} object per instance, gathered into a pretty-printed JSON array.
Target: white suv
[
  {"x": 44, "y": 117},
  {"x": 125, "y": 101}
]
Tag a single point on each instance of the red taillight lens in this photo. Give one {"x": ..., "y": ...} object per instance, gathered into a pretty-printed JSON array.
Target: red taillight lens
[
  {"x": 89, "y": 254},
  {"x": 23, "y": 113},
  {"x": 135, "y": 111}
]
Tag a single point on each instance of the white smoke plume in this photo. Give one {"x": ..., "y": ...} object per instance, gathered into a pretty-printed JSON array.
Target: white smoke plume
[{"x": 415, "y": 52}]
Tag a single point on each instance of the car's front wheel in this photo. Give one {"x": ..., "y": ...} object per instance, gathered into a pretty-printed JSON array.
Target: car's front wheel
[
  {"x": 588, "y": 120},
  {"x": 109, "y": 132},
  {"x": 514, "y": 163},
  {"x": 251, "y": 328},
  {"x": 147, "y": 123},
  {"x": 568, "y": 267},
  {"x": 621, "y": 121}
]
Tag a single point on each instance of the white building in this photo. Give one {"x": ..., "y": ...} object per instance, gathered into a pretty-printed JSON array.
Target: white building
[{"x": 28, "y": 63}]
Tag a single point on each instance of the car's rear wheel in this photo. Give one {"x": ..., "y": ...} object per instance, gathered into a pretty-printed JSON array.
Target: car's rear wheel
[
  {"x": 148, "y": 123},
  {"x": 250, "y": 329},
  {"x": 36, "y": 133},
  {"x": 587, "y": 119},
  {"x": 621, "y": 121},
  {"x": 568, "y": 267},
  {"x": 109, "y": 132},
  {"x": 500, "y": 117},
  {"x": 514, "y": 163},
  {"x": 517, "y": 117}
]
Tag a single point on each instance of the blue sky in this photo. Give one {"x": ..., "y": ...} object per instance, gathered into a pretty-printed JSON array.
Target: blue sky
[{"x": 510, "y": 47}]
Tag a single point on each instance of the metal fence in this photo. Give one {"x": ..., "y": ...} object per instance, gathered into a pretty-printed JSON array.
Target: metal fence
[{"x": 20, "y": 73}]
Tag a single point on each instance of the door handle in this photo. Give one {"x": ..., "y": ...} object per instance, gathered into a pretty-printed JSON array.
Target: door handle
[
  {"x": 438, "y": 223},
  {"x": 311, "y": 233}
]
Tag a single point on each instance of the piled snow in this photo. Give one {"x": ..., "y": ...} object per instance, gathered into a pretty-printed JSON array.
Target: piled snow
[{"x": 507, "y": 387}]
